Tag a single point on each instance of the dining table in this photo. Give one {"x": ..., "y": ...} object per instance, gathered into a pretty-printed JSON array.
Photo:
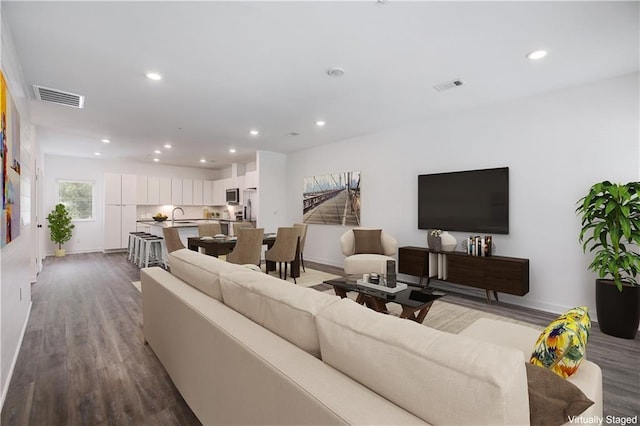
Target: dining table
[{"x": 220, "y": 246}]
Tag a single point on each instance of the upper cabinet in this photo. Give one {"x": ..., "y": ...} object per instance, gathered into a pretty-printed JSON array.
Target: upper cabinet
[
  {"x": 197, "y": 192},
  {"x": 176, "y": 192},
  {"x": 153, "y": 190},
  {"x": 120, "y": 189},
  {"x": 251, "y": 180},
  {"x": 187, "y": 192},
  {"x": 207, "y": 192},
  {"x": 143, "y": 190},
  {"x": 165, "y": 191}
]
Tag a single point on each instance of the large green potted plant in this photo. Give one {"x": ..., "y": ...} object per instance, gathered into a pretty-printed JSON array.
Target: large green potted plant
[
  {"x": 60, "y": 227},
  {"x": 610, "y": 215}
]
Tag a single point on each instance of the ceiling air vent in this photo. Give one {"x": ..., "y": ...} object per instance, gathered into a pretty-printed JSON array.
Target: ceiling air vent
[
  {"x": 59, "y": 97},
  {"x": 448, "y": 85}
]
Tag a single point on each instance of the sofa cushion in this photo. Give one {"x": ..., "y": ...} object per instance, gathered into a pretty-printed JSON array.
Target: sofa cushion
[
  {"x": 284, "y": 308},
  {"x": 561, "y": 346},
  {"x": 200, "y": 271},
  {"x": 439, "y": 377},
  {"x": 368, "y": 241},
  {"x": 552, "y": 399}
]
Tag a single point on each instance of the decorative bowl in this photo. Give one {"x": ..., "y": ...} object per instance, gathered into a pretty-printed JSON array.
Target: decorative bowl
[{"x": 160, "y": 219}]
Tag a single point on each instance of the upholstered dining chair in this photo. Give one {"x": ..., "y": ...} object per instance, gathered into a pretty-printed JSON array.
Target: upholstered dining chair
[
  {"x": 172, "y": 239},
  {"x": 302, "y": 227},
  {"x": 209, "y": 229},
  {"x": 241, "y": 225},
  {"x": 248, "y": 248},
  {"x": 284, "y": 249},
  {"x": 367, "y": 250}
]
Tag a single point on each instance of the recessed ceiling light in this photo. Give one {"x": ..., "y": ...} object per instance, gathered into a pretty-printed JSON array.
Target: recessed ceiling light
[
  {"x": 167, "y": 145},
  {"x": 537, "y": 54},
  {"x": 153, "y": 76},
  {"x": 106, "y": 141},
  {"x": 254, "y": 132},
  {"x": 335, "y": 72},
  {"x": 156, "y": 159},
  {"x": 97, "y": 154},
  {"x": 320, "y": 123},
  {"x": 232, "y": 150},
  {"x": 202, "y": 160},
  {"x": 157, "y": 151}
]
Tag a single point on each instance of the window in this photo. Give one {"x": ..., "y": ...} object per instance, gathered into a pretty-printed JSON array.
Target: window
[{"x": 77, "y": 196}]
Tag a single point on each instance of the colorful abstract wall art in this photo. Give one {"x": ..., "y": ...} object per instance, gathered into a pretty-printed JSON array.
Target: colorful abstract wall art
[
  {"x": 332, "y": 199},
  {"x": 10, "y": 165}
]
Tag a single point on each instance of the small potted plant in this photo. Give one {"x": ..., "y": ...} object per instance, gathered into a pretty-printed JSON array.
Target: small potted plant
[
  {"x": 610, "y": 216},
  {"x": 60, "y": 227}
]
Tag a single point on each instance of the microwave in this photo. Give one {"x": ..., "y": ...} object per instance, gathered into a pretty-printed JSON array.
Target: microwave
[{"x": 233, "y": 196}]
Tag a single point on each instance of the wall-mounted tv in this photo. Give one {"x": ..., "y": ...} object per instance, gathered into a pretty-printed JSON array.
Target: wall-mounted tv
[{"x": 470, "y": 201}]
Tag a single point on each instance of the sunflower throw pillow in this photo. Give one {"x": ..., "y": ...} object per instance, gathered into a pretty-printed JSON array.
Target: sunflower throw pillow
[{"x": 561, "y": 346}]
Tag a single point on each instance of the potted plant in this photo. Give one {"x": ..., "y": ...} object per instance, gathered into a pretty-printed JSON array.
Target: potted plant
[
  {"x": 60, "y": 227},
  {"x": 610, "y": 215}
]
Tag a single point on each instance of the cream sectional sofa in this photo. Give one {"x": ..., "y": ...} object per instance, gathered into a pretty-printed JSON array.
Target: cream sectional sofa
[{"x": 243, "y": 347}]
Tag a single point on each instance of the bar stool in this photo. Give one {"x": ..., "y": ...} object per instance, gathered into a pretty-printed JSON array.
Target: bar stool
[
  {"x": 137, "y": 249},
  {"x": 132, "y": 243},
  {"x": 152, "y": 251}
]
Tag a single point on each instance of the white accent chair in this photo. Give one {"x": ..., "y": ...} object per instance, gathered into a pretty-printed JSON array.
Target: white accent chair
[{"x": 366, "y": 263}]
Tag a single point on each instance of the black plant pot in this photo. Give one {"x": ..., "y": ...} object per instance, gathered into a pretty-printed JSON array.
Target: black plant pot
[{"x": 618, "y": 312}]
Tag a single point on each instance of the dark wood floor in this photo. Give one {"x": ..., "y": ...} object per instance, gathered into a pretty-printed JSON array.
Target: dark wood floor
[{"x": 83, "y": 361}]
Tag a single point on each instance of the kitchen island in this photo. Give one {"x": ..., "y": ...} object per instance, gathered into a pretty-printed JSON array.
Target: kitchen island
[{"x": 188, "y": 227}]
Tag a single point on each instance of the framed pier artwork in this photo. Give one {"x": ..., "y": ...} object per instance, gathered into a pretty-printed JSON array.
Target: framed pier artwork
[{"x": 9, "y": 165}]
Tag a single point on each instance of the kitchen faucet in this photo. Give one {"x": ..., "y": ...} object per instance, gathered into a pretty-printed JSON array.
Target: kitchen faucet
[{"x": 173, "y": 212}]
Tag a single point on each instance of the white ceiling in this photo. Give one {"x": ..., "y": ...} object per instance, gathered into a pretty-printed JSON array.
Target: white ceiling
[{"x": 232, "y": 66}]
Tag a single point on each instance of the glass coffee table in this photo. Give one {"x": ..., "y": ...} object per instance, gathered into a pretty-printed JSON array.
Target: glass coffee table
[{"x": 415, "y": 302}]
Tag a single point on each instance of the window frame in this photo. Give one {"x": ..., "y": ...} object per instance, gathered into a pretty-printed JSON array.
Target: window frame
[{"x": 93, "y": 196}]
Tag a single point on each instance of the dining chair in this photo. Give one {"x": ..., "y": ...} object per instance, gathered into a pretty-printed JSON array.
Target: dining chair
[
  {"x": 240, "y": 225},
  {"x": 284, "y": 249},
  {"x": 248, "y": 248},
  {"x": 209, "y": 229},
  {"x": 172, "y": 239},
  {"x": 302, "y": 227}
]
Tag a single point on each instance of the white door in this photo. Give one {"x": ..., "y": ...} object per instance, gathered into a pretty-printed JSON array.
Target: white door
[
  {"x": 207, "y": 193},
  {"x": 197, "y": 192},
  {"x": 39, "y": 219},
  {"x": 129, "y": 189},
  {"x": 176, "y": 192},
  {"x": 187, "y": 192},
  {"x": 142, "y": 189}
]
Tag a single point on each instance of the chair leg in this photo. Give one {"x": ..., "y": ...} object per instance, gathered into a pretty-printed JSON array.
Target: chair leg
[{"x": 302, "y": 261}]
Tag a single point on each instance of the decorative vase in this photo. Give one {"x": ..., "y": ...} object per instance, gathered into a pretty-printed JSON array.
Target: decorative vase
[
  {"x": 59, "y": 252},
  {"x": 433, "y": 242},
  {"x": 448, "y": 241}
]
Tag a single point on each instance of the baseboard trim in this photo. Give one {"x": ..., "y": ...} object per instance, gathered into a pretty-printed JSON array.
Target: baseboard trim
[{"x": 5, "y": 386}]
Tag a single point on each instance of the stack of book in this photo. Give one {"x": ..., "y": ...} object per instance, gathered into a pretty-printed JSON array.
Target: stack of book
[{"x": 479, "y": 246}]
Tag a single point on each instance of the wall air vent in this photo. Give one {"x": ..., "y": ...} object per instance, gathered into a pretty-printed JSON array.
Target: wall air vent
[
  {"x": 448, "y": 85},
  {"x": 59, "y": 97}
]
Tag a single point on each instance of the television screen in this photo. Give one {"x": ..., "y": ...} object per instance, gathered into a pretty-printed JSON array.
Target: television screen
[{"x": 470, "y": 201}]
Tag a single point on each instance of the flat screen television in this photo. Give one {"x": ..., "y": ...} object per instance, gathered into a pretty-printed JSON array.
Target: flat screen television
[{"x": 469, "y": 201}]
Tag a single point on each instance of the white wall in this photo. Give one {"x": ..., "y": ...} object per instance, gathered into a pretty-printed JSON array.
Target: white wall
[
  {"x": 271, "y": 199},
  {"x": 556, "y": 146},
  {"x": 88, "y": 236},
  {"x": 15, "y": 270}
]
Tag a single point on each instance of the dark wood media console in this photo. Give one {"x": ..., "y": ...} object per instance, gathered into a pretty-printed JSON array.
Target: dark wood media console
[{"x": 498, "y": 274}]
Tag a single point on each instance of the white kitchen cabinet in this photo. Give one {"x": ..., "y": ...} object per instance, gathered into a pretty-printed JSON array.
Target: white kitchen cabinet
[
  {"x": 143, "y": 191},
  {"x": 219, "y": 192},
  {"x": 207, "y": 192},
  {"x": 165, "y": 191},
  {"x": 112, "y": 188},
  {"x": 129, "y": 190},
  {"x": 187, "y": 192},
  {"x": 197, "y": 192},
  {"x": 251, "y": 179},
  {"x": 153, "y": 190},
  {"x": 176, "y": 191},
  {"x": 120, "y": 209}
]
